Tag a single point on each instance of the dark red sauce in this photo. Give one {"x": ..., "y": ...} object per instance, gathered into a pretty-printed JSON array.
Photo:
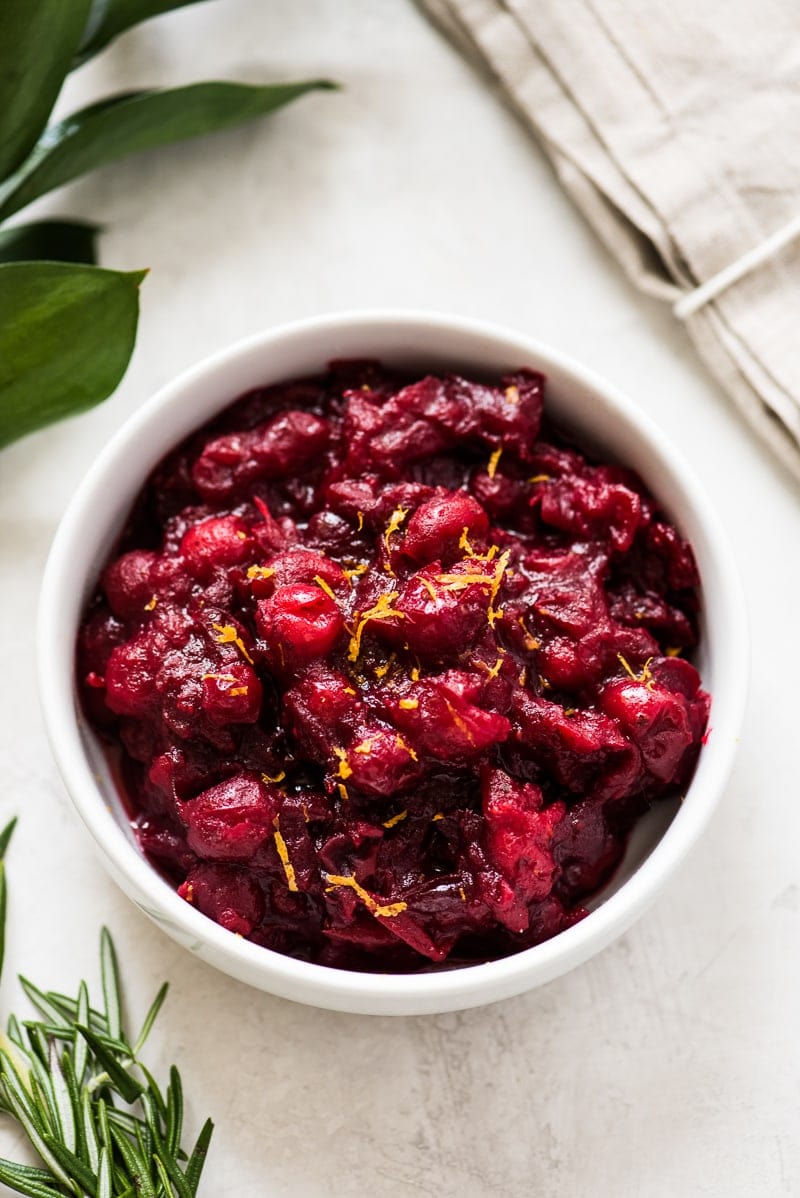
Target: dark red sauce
[{"x": 392, "y": 670}]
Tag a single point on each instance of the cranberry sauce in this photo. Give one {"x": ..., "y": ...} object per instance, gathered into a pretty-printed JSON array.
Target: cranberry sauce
[{"x": 392, "y": 673}]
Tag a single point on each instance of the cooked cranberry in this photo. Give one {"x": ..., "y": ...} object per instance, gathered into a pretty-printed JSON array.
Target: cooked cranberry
[
  {"x": 322, "y": 708},
  {"x": 656, "y": 720},
  {"x": 299, "y": 623},
  {"x": 389, "y": 677},
  {"x": 232, "y": 697},
  {"x": 519, "y": 833},
  {"x": 229, "y": 894},
  {"x": 381, "y": 762},
  {"x": 231, "y": 464},
  {"x": 299, "y": 565},
  {"x": 443, "y": 526},
  {"x": 219, "y": 541},
  {"x": 593, "y": 508},
  {"x": 444, "y": 723},
  {"x": 443, "y": 609},
  {"x": 230, "y": 821},
  {"x": 128, "y": 583}
]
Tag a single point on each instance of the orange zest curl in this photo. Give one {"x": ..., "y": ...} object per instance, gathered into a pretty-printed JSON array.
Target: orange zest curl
[
  {"x": 322, "y": 584},
  {"x": 259, "y": 572},
  {"x": 377, "y": 909},
  {"x": 229, "y": 636},
  {"x": 283, "y": 853},
  {"x": 345, "y": 769},
  {"x": 382, "y": 610},
  {"x": 396, "y": 819},
  {"x": 645, "y": 676}
]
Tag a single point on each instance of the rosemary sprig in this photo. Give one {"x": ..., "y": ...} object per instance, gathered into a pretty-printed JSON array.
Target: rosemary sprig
[{"x": 96, "y": 1117}]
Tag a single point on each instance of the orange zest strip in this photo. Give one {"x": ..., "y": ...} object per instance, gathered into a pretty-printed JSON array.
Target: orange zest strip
[
  {"x": 322, "y": 584},
  {"x": 377, "y": 909},
  {"x": 382, "y": 610},
  {"x": 229, "y": 636},
  {"x": 645, "y": 676},
  {"x": 283, "y": 853},
  {"x": 396, "y": 819},
  {"x": 345, "y": 770}
]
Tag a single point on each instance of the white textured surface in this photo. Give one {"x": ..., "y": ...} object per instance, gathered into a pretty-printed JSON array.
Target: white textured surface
[{"x": 668, "y": 1065}]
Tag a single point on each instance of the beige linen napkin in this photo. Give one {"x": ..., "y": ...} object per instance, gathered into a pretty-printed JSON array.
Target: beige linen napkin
[{"x": 675, "y": 126}]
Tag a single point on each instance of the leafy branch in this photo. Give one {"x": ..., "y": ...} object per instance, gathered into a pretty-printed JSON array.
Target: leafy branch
[
  {"x": 98, "y": 1120},
  {"x": 50, "y": 368}
]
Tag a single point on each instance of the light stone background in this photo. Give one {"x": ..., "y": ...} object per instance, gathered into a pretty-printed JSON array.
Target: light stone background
[{"x": 669, "y": 1064}]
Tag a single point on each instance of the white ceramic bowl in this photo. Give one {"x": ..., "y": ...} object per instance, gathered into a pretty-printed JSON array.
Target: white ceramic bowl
[{"x": 603, "y": 419}]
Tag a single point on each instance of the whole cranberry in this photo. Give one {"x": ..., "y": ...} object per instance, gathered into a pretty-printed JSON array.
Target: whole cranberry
[
  {"x": 229, "y": 821},
  {"x": 128, "y": 582},
  {"x": 655, "y": 719},
  {"x": 299, "y": 622},
  {"x": 440, "y": 527},
  {"x": 220, "y": 541},
  {"x": 229, "y": 894}
]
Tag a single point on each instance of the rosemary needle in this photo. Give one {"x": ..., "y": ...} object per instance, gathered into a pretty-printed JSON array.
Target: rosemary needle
[{"x": 98, "y": 1120}]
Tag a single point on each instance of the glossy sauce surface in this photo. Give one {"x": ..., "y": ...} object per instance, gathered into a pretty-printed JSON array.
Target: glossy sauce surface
[{"x": 392, "y": 670}]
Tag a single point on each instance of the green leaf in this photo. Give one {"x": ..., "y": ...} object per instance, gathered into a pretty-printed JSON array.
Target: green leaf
[
  {"x": 123, "y": 1119},
  {"x": 66, "y": 335},
  {"x": 34, "y": 1131},
  {"x": 102, "y": 1119},
  {"x": 177, "y": 1179},
  {"x": 49, "y": 241},
  {"x": 5, "y": 840},
  {"x": 155, "y": 1094},
  {"x": 112, "y": 991},
  {"x": 69, "y": 1008},
  {"x": 72, "y": 1165},
  {"x": 81, "y": 1047},
  {"x": 109, "y": 18},
  {"x": 162, "y": 1177},
  {"x": 37, "y": 1038},
  {"x": 25, "y": 1179},
  {"x": 138, "y": 1169},
  {"x": 15, "y": 1076},
  {"x": 36, "y": 996},
  {"x": 15, "y": 1032},
  {"x": 62, "y": 1099},
  {"x": 150, "y": 1019},
  {"x": 104, "y": 1175},
  {"x": 37, "y": 44},
  {"x": 43, "y": 1101},
  {"x": 3, "y": 912},
  {"x": 91, "y": 1147},
  {"x": 128, "y": 1086},
  {"x": 5, "y": 836},
  {"x": 170, "y": 1164},
  {"x": 144, "y": 120},
  {"x": 198, "y": 1158},
  {"x": 81, "y": 1147},
  {"x": 144, "y": 1138},
  {"x": 174, "y": 1110},
  {"x": 42, "y": 1032},
  {"x": 89, "y": 1133}
]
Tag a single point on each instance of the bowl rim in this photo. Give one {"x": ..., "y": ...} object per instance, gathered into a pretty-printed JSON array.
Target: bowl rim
[{"x": 323, "y": 985}]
